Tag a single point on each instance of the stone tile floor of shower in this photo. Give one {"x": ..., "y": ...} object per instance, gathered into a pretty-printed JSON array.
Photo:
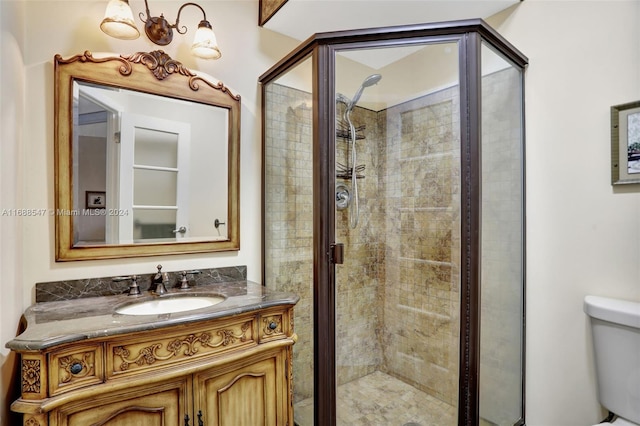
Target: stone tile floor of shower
[{"x": 381, "y": 400}]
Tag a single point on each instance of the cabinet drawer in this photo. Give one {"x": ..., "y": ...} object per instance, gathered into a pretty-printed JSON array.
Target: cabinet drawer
[
  {"x": 168, "y": 347},
  {"x": 75, "y": 367},
  {"x": 274, "y": 325}
]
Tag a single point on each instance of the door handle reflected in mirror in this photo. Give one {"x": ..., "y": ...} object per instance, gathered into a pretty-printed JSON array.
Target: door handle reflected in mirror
[{"x": 181, "y": 230}]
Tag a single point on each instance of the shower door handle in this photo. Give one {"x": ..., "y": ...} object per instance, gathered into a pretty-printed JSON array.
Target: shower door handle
[{"x": 337, "y": 253}]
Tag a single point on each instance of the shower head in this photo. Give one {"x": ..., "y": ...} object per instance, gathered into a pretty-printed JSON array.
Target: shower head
[{"x": 369, "y": 81}]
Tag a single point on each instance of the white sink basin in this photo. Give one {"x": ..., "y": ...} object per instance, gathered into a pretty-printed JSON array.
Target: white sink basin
[{"x": 169, "y": 305}]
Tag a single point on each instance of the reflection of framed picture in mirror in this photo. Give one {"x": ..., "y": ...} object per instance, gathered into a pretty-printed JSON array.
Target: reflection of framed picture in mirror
[
  {"x": 625, "y": 143},
  {"x": 96, "y": 200}
]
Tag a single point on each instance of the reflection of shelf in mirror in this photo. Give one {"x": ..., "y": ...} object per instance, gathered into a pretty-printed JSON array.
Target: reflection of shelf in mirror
[{"x": 342, "y": 130}]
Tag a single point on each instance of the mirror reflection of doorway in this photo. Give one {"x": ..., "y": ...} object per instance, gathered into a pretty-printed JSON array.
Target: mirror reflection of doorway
[
  {"x": 154, "y": 178},
  {"x": 176, "y": 182},
  {"x": 95, "y": 142}
]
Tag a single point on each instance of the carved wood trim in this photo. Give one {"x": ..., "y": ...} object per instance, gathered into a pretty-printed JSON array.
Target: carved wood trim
[
  {"x": 31, "y": 421},
  {"x": 274, "y": 324},
  {"x": 149, "y": 355},
  {"x": 67, "y": 363},
  {"x": 31, "y": 376},
  {"x": 269, "y": 322},
  {"x": 75, "y": 366},
  {"x": 160, "y": 64},
  {"x": 152, "y": 410},
  {"x": 238, "y": 377}
]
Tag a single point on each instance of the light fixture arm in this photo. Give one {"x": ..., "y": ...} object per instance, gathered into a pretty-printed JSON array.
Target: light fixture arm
[
  {"x": 159, "y": 30},
  {"x": 148, "y": 15},
  {"x": 180, "y": 10}
]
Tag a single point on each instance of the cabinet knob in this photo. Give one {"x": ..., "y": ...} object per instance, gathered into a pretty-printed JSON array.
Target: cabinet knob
[
  {"x": 273, "y": 325},
  {"x": 186, "y": 420},
  {"x": 75, "y": 368}
]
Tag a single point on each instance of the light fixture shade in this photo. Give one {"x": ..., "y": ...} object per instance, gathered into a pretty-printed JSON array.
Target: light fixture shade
[
  {"x": 118, "y": 21},
  {"x": 205, "y": 45}
]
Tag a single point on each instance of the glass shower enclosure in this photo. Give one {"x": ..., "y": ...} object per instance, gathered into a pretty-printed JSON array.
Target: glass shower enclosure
[{"x": 393, "y": 204}]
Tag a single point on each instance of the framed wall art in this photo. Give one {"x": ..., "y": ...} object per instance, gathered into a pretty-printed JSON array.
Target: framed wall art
[
  {"x": 625, "y": 143},
  {"x": 268, "y": 8}
]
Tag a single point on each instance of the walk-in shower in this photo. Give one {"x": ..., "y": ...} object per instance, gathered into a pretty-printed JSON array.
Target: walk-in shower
[{"x": 397, "y": 215}]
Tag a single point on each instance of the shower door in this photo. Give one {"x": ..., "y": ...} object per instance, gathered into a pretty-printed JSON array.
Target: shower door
[
  {"x": 393, "y": 203},
  {"x": 398, "y": 291}
]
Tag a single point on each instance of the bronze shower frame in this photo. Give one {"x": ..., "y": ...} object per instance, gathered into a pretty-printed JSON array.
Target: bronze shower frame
[{"x": 321, "y": 48}]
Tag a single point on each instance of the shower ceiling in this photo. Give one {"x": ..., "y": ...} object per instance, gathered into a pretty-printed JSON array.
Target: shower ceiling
[
  {"x": 396, "y": 64},
  {"x": 301, "y": 19}
]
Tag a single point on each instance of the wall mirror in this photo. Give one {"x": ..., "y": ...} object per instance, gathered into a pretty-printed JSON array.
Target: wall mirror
[{"x": 146, "y": 158}]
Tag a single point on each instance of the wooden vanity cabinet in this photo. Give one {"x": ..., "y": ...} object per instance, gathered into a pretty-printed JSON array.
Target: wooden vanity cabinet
[
  {"x": 231, "y": 371},
  {"x": 160, "y": 404},
  {"x": 250, "y": 394}
]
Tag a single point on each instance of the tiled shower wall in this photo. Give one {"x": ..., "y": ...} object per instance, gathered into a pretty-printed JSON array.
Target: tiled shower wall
[
  {"x": 358, "y": 292},
  {"x": 421, "y": 192},
  {"x": 397, "y": 297},
  {"x": 289, "y": 217}
]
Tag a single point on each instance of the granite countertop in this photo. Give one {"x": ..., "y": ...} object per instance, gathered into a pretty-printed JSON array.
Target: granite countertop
[{"x": 54, "y": 323}]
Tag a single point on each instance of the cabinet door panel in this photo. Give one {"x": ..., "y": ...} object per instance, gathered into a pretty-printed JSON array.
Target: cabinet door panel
[
  {"x": 246, "y": 396},
  {"x": 154, "y": 406}
]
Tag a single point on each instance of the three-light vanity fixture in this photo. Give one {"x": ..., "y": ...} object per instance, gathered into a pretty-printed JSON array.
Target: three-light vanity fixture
[{"x": 118, "y": 22}]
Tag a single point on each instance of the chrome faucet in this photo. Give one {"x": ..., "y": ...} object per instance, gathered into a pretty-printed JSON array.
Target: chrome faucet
[
  {"x": 134, "y": 289},
  {"x": 184, "y": 283},
  {"x": 161, "y": 287},
  {"x": 159, "y": 282}
]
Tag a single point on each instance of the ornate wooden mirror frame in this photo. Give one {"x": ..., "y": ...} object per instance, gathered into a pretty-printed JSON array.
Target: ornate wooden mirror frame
[{"x": 152, "y": 73}]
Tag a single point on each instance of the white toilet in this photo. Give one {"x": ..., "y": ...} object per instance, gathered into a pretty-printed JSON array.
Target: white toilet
[{"x": 615, "y": 325}]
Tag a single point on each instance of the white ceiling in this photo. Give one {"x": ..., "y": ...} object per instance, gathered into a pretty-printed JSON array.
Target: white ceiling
[{"x": 300, "y": 19}]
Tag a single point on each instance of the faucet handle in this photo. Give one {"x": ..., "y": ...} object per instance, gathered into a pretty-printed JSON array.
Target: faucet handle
[
  {"x": 134, "y": 289},
  {"x": 184, "y": 283}
]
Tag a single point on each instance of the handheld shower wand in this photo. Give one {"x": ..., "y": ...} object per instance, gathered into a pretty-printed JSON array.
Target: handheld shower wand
[
  {"x": 354, "y": 212},
  {"x": 369, "y": 81}
]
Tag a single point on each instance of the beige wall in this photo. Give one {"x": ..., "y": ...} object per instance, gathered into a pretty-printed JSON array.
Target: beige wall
[
  {"x": 583, "y": 237},
  {"x": 12, "y": 87}
]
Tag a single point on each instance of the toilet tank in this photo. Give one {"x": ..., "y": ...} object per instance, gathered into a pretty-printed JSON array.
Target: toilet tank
[{"x": 615, "y": 325}]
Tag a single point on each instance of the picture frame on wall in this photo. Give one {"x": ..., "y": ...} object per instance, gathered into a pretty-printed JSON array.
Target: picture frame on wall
[
  {"x": 625, "y": 143},
  {"x": 268, "y": 8},
  {"x": 96, "y": 199}
]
